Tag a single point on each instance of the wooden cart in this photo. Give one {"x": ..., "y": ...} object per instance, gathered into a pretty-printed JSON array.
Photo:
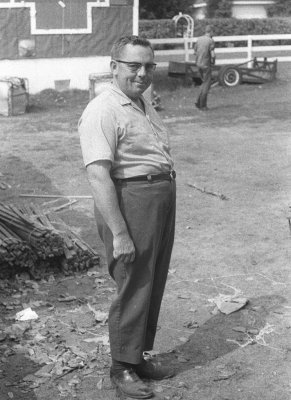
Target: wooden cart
[{"x": 229, "y": 75}]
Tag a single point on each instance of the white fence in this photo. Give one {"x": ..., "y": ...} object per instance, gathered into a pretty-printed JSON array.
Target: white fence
[{"x": 223, "y": 54}]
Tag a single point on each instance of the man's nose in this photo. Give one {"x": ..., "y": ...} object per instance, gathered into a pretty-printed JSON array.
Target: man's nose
[{"x": 142, "y": 71}]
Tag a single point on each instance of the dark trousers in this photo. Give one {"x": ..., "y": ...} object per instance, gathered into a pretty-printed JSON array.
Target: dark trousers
[
  {"x": 149, "y": 211},
  {"x": 205, "y": 74}
]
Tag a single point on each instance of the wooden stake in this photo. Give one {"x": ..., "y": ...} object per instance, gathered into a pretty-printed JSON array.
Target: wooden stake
[{"x": 55, "y": 196}]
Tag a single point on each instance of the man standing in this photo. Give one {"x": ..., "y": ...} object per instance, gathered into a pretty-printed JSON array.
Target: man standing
[
  {"x": 205, "y": 58},
  {"x": 126, "y": 152}
]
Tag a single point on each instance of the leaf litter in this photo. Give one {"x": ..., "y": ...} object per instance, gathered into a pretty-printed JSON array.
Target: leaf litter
[{"x": 61, "y": 343}]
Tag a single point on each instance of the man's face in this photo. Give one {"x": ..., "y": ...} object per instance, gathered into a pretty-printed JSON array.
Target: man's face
[{"x": 130, "y": 80}]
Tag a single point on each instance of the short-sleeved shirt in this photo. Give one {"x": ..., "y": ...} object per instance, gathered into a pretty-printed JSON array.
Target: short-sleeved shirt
[
  {"x": 203, "y": 47},
  {"x": 114, "y": 128}
]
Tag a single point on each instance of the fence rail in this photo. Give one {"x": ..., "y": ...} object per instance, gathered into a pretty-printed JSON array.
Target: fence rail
[{"x": 242, "y": 54}]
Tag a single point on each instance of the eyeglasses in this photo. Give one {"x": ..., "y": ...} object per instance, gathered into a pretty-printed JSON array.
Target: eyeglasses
[{"x": 135, "y": 67}]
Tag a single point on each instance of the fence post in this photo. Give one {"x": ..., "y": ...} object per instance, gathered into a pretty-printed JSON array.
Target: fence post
[
  {"x": 186, "y": 48},
  {"x": 135, "y": 25},
  {"x": 250, "y": 55}
]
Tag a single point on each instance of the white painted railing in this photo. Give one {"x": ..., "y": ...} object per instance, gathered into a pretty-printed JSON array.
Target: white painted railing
[{"x": 243, "y": 54}]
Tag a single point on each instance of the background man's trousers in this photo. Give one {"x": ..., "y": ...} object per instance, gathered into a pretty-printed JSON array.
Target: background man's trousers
[
  {"x": 205, "y": 74},
  {"x": 149, "y": 211}
]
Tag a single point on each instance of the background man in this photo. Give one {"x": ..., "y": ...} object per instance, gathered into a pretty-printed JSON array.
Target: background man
[
  {"x": 126, "y": 151},
  {"x": 205, "y": 57}
]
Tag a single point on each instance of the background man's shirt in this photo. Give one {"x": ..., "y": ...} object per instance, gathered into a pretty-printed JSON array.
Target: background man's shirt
[{"x": 203, "y": 47}]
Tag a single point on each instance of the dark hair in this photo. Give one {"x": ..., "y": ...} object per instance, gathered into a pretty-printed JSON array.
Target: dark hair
[
  {"x": 208, "y": 29},
  {"x": 119, "y": 45}
]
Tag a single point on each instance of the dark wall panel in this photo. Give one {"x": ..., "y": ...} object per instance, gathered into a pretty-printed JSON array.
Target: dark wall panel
[{"x": 109, "y": 23}]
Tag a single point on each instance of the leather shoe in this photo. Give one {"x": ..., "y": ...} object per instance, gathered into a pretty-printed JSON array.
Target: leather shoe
[
  {"x": 129, "y": 384},
  {"x": 149, "y": 369}
]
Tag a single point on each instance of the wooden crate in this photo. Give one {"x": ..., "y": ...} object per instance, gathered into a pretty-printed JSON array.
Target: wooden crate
[
  {"x": 13, "y": 96},
  {"x": 98, "y": 82}
]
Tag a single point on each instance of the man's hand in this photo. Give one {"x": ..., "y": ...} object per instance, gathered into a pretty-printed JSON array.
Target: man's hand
[{"x": 123, "y": 248}]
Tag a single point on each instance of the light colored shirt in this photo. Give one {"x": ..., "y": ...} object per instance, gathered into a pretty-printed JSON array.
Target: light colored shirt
[
  {"x": 202, "y": 49},
  {"x": 114, "y": 128}
]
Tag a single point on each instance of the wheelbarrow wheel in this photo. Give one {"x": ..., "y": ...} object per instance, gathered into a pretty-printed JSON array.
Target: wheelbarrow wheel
[{"x": 229, "y": 76}]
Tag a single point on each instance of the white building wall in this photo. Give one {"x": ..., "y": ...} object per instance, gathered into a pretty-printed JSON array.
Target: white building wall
[
  {"x": 199, "y": 13},
  {"x": 42, "y": 73},
  {"x": 240, "y": 9},
  {"x": 247, "y": 11}
]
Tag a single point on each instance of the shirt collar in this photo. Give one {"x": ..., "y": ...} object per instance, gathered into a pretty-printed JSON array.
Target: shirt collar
[{"x": 124, "y": 100}]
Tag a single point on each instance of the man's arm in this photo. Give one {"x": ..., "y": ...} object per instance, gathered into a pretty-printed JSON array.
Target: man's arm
[
  {"x": 212, "y": 52},
  {"x": 106, "y": 201}
]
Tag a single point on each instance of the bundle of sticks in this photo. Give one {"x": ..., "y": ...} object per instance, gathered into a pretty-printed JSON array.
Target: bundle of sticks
[
  {"x": 35, "y": 240},
  {"x": 15, "y": 254},
  {"x": 78, "y": 255},
  {"x": 45, "y": 241}
]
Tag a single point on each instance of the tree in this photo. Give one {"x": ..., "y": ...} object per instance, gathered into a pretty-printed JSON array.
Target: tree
[
  {"x": 281, "y": 8},
  {"x": 224, "y": 9},
  {"x": 211, "y": 8},
  {"x": 218, "y": 8},
  {"x": 163, "y": 9}
]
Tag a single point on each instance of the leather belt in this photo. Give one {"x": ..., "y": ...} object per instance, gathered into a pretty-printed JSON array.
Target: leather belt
[{"x": 165, "y": 176}]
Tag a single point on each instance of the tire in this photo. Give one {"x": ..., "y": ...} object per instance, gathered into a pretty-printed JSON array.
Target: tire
[{"x": 229, "y": 76}]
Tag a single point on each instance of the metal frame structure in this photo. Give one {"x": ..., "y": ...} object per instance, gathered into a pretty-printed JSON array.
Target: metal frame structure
[{"x": 189, "y": 21}]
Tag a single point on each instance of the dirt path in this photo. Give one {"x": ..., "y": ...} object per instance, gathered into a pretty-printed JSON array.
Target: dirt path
[{"x": 232, "y": 240}]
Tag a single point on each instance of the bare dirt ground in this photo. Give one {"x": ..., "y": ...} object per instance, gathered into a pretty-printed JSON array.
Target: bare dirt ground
[{"x": 232, "y": 238}]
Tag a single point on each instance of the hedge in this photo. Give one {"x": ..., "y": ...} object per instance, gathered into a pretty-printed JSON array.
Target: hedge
[{"x": 165, "y": 28}]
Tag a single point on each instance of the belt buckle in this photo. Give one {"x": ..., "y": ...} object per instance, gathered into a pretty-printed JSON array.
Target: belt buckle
[{"x": 172, "y": 175}]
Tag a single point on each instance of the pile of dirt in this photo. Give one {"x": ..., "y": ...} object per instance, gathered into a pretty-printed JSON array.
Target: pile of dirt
[{"x": 51, "y": 98}]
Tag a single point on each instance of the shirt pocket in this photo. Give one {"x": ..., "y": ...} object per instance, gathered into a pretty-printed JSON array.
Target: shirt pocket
[{"x": 136, "y": 136}]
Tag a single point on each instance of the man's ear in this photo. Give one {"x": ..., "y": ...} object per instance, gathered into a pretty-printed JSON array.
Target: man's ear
[{"x": 113, "y": 67}]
